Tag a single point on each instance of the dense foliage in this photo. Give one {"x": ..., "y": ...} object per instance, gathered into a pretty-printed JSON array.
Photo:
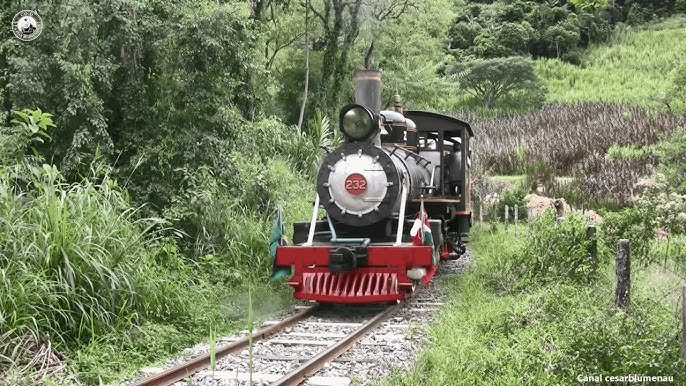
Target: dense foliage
[{"x": 557, "y": 29}]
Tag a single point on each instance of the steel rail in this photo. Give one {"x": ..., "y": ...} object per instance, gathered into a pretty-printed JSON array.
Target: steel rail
[
  {"x": 313, "y": 365},
  {"x": 191, "y": 367}
]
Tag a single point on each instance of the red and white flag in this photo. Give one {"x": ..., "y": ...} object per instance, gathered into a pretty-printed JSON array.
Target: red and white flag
[{"x": 424, "y": 237}]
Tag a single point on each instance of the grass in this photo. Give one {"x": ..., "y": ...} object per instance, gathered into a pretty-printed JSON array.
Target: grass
[
  {"x": 633, "y": 67},
  {"x": 495, "y": 328},
  {"x": 71, "y": 260},
  {"x": 119, "y": 355},
  {"x": 512, "y": 180}
]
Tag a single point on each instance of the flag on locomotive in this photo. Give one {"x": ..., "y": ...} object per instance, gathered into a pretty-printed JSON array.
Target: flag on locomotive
[
  {"x": 422, "y": 222},
  {"x": 278, "y": 239}
]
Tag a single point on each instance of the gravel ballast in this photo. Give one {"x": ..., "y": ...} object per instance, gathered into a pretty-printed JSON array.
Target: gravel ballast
[{"x": 393, "y": 346}]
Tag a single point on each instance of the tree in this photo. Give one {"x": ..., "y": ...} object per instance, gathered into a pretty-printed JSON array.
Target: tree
[
  {"x": 490, "y": 79},
  {"x": 412, "y": 56},
  {"x": 377, "y": 17},
  {"x": 71, "y": 76},
  {"x": 340, "y": 21},
  {"x": 515, "y": 36},
  {"x": 586, "y": 4}
]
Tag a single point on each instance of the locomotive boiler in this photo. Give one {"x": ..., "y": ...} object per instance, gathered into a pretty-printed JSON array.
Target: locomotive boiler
[{"x": 396, "y": 201}]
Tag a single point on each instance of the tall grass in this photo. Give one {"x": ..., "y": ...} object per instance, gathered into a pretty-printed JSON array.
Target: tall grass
[
  {"x": 72, "y": 258},
  {"x": 84, "y": 269},
  {"x": 113, "y": 290},
  {"x": 573, "y": 140},
  {"x": 77, "y": 262}
]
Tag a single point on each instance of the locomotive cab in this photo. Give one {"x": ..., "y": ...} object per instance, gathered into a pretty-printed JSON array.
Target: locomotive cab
[{"x": 445, "y": 141}]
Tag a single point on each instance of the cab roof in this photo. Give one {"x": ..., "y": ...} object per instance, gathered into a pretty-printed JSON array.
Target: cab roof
[{"x": 427, "y": 121}]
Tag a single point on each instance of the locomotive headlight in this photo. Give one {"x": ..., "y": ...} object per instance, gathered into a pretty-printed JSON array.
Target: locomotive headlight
[{"x": 357, "y": 122}]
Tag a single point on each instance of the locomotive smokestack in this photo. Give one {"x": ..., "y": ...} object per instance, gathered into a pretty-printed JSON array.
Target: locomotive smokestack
[
  {"x": 368, "y": 93},
  {"x": 368, "y": 89}
]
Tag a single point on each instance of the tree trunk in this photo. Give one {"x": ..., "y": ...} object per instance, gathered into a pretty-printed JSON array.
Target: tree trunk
[
  {"x": 307, "y": 67},
  {"x": 487, "y": 102},
  {"x": 342, "y": 62},
  {"x": 331, "y": 52},
  {"x": 369, "y": 58}
]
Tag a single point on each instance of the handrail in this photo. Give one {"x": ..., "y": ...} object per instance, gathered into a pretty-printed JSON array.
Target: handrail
[
  {"x": 313, "y": 223},
  {"x": 401, "y": 216}
]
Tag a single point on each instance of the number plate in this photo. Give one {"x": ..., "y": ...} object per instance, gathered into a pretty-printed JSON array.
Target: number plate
[{"x": 355, "y": 184}]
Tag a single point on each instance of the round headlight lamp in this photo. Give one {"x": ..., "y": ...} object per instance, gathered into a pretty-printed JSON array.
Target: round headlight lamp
[{"x": 357, "y": 122}]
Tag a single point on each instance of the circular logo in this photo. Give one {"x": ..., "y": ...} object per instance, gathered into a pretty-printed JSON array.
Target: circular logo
[
  {"x": 355, "y": 184},
  {"x": 27, "y": 25}
]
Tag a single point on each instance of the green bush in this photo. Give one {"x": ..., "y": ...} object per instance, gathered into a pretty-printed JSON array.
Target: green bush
[
  {"x": 656, "y": 208},
  {"x": 305, "y": 150},
  {"x": 226, "y": 224},
  {"x": 629, "y": 152},
  {"x": 644, "y": 341},
  {"x": 671, "y": 154},
  {"x": 511, "y": 198},
  {"x": 553, "y": 253},
  {"x": 603, "y": 340}
]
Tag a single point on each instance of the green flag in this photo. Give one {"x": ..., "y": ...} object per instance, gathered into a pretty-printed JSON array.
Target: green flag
[{"x": 277, "y": 240}]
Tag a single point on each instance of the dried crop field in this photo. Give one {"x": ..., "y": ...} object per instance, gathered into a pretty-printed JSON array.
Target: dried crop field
[{"x": 605, "y": 146}]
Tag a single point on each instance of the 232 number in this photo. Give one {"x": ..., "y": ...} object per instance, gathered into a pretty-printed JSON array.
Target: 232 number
[{"x": 355, "y": 184}]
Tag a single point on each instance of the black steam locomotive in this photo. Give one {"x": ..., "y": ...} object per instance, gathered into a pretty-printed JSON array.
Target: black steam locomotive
[{"x": 397, "y": 201}]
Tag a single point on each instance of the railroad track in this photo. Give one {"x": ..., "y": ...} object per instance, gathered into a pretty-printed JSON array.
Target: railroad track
[
  {"x": 311, "y": 337},
  {"x": 315, "y": 346}
]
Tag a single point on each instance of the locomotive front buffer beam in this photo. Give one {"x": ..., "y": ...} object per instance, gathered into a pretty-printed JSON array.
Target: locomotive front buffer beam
[{"x": 320, "y": 276}]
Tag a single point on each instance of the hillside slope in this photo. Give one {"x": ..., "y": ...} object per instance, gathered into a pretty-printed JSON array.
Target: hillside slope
[{"x": 633, "y": 67}]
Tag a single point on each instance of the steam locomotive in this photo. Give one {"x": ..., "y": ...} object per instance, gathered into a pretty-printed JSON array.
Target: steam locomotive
[{"x": 397, "y": 200}]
